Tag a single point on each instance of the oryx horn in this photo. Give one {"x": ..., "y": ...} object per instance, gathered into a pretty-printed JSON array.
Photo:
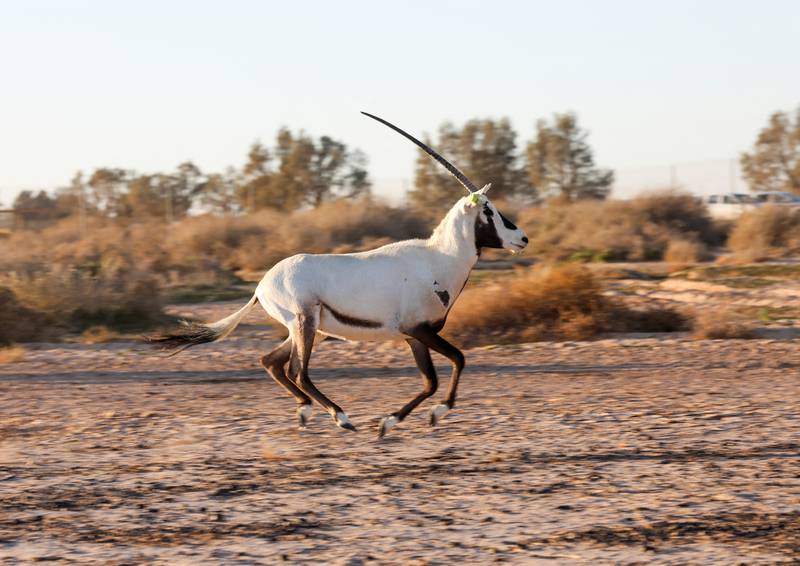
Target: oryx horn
[{"x": 469, "y": 185}]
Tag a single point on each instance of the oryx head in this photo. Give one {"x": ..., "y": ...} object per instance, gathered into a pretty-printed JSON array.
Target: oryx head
[{"x": 492, "y": 229}]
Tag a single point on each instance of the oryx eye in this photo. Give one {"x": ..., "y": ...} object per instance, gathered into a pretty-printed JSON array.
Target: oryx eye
[{"x": 487, "y": 211}]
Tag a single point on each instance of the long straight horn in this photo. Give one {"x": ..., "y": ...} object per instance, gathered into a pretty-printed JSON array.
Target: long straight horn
[{"x": 469, "y": 185}]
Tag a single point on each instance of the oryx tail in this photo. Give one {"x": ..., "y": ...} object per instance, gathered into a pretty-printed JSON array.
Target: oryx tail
[{"x": 192, "y": 333}]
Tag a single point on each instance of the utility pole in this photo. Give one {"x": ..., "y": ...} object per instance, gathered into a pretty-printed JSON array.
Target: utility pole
[
  {"x": 82, "y": 211},
  {"x": 169, "y": 203}
]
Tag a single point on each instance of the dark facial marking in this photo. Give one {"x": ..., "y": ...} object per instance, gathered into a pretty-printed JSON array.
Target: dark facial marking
[
  {"x": 444, "y": 297},
  {"x": 506, "y": 222},
  {"x": 486, "y": 235},
  {"x": 351, "y": 320}
]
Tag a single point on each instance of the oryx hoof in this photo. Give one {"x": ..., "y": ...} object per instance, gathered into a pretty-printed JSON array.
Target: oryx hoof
[
  {"x": 343, "y": 422},
  {"x": 386, "y": 424},
  {"x": 436, "y": 413},
  {"x": 303, "y": 415}
]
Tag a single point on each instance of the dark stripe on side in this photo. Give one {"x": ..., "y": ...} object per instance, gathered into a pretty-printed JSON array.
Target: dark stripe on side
[{"x": 351, "y": 320}]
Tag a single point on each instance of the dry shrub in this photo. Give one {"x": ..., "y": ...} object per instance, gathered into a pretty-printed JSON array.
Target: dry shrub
[
  {"x": 73, "y": 300},
  {"x": 11, "y": 354},
  {"x": 682, "y": 252},
  {"x": 98, "y": 335},
  {"x": 770, "y": 231},
  {"x": 19, "y": 323},
  {"x": 719, "y": 324},
  {"x": 563, "y": 302},
  {"x": 340, "y": 226},
  {"x": 546, "y": 303},
  {"x": 613, "y": 230},
  {"x": 627, "y": 317}
]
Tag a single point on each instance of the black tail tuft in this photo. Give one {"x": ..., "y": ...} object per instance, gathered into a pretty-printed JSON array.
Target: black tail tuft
[{"x": 189, "y": 334}]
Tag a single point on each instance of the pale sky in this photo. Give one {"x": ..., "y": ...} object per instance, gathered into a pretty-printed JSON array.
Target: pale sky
[{"x": 146, "y": 85}]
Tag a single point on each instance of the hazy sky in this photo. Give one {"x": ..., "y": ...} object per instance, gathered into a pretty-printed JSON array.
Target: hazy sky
[{"x": 146, "y": 85}]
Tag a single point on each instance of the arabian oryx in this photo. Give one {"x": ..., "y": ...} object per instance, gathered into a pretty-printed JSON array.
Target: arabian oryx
[{"x": 401, "y": 290}]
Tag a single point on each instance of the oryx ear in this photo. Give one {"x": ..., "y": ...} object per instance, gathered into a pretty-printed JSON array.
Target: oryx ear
[{"x": 485, "y": 189}]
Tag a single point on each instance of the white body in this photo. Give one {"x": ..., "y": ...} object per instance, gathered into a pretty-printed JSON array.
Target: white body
[{"x": 399, "y": 286}]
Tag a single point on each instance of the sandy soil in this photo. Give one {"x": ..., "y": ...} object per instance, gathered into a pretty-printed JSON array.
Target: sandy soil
[{"x": 637, "y": 451}]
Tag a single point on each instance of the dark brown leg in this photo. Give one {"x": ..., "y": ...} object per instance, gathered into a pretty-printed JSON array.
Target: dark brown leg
[
  {"x": 422, "y": 356},
  {"x": 275, "y": 364},
  {"x": 300, "y": 356},
  {"x": 428, "y": 336}
]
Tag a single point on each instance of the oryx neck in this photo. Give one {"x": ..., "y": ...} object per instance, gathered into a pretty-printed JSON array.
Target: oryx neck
[{"x": 455, "y": 236}]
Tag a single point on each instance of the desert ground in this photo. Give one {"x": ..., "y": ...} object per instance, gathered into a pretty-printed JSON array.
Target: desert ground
[{"x": 648, "y": 450}]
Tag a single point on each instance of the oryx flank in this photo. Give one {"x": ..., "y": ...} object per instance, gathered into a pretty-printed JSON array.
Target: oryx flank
[{"x": 401, "y": 290}]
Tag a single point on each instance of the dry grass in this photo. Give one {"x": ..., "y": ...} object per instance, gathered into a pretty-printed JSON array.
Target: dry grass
[
  {"x": 561, "y": 302},
  {"x": 79, "y": 299},
  {"x": 98, "y": 335},
  {"x": 637, "y": 230},
  {"x": 681, "y": 253},
  {"x": 771, "y": 231},
  {"x": 11, "y": 354},
  {"x": 721, "y": 324}
]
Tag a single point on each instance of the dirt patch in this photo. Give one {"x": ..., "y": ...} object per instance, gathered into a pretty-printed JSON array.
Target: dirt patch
[{"x": 636, "y": 451}]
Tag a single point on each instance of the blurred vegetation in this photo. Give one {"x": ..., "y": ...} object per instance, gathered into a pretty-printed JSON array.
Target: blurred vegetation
[
  {"x": 550, "y": 302},
  {"x": 774, "y": 162},
  {"x": 764, "y": 233},
  {"x": 640, "y": 229},
  {"x": 103, "y": 254},
  {"x": 557, "y": 162}
]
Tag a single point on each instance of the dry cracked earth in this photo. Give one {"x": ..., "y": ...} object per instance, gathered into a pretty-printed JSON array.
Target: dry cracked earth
[{"x": 641, "y": 451}]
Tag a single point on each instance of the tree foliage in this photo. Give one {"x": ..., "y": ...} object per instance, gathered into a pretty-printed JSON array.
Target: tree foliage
[
  {"x": 484, "y": 150},
  {"x": 39, "y": 206},
  {"x": 774, "y": 163},
  {"x": 560, "y": 162},
  {"x": 300, "y": 170}
]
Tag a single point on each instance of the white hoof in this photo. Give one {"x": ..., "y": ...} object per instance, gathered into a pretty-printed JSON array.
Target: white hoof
[
  {"x": 386, "y": 424},
  {"x": 343, "y": 422},
  {"x": 437, "y": 412},
  {"x": 303, "y": 415}
]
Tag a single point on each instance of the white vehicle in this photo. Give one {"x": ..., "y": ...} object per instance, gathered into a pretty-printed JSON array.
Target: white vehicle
[{"x": 728, "y": 206}]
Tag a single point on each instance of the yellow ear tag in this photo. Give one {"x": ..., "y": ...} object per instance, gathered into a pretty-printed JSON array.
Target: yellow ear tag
[{"x": 475, "y": 198}]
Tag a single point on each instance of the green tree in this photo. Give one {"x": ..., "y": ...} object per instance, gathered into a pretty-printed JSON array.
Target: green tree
[
  {"x": 220, "y": 192},
  {"x": 38, "y": 207},
  {"x": 144, "y": 197},
  {"x": 774, "y": 163},
  {"x": 560, "y": 162},
  {"x": 306, "y": 171},
  {"x": 485, "y": 150},
  {"x": 107, "y": 188}
]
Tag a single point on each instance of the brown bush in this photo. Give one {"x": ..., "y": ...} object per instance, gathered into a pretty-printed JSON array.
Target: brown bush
[
  {"x": 636, "y": 230},
  {"x": 71, "y": 300},
  {"x": 563, "y": 302},
  {"x": 682, "y": 252},
  {"x": 719, "y": 324},
  {"x": 770, "y": 231},
  {"x": 19, "y": 323}
]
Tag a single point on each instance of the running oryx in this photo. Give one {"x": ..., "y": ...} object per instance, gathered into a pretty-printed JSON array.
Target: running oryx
[{"x": 400, "y": 290}]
